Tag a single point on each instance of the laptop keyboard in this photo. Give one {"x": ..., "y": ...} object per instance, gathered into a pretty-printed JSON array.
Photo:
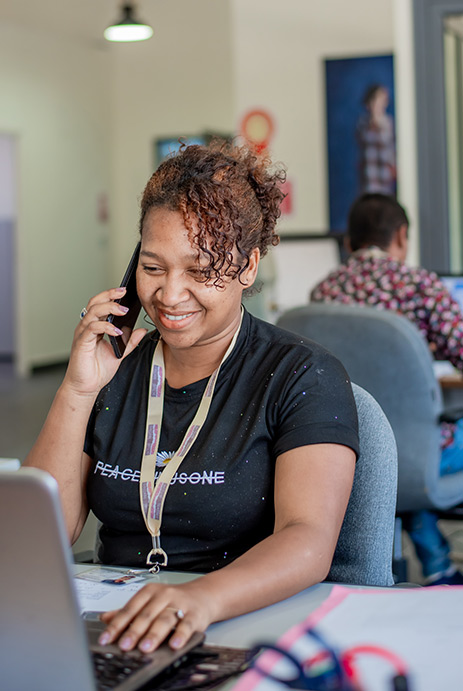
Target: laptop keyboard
[
  {"x": 205, "y": 667},
  {"x": 111, "y": 669},
  {"x": 202, "y": 668}
]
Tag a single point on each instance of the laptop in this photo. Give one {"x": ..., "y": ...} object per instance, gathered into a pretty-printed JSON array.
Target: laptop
[{"x": 45, "y": 645}]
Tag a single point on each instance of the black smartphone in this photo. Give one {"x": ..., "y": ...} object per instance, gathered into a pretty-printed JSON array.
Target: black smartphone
[{"x": 126, "y": 322}]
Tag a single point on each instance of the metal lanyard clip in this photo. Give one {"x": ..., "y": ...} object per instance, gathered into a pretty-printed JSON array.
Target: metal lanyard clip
[{"x": 156, "y": 551}]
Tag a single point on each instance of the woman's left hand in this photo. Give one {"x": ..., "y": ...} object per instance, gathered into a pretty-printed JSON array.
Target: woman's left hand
[{"x": 156, "y": 612}]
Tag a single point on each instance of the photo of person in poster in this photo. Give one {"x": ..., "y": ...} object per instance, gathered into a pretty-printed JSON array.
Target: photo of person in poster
[
  {"x": 376, "y": 142},
  {"x": 360, "y": 130}
]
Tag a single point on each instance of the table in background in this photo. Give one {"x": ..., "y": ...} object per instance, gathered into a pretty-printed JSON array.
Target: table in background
[{"x": 452, "y": 390}]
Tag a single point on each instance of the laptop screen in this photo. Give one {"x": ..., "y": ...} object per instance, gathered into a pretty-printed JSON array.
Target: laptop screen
[{"x": 454, "y": 284}]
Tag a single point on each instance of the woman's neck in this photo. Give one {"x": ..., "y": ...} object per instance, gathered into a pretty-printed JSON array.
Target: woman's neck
[
  {"x": 187, "y": 365},
  {"x": 180, "y": 372}
]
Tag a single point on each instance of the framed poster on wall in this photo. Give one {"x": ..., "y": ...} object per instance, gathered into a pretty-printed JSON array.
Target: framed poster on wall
[
  {"x": 165, "y": 146},
  {"x": 360, "y": 131}
]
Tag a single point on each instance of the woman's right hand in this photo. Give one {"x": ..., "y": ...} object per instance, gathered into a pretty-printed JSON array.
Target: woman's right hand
[{"x": 92, "y": 363}]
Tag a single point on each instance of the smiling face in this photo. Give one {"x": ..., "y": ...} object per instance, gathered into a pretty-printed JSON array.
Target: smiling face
[{"x": 187, "y": 311}]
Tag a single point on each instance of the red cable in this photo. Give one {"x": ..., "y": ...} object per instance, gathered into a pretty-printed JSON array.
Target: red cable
[{"x": 348, "y": 656}]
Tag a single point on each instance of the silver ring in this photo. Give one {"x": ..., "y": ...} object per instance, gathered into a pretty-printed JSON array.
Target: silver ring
[
  {"x": 179, "y": 613},
  {"x": 83, "y": 313}
]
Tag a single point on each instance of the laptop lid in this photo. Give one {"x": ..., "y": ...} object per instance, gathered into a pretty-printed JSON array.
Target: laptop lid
[
  {"x": 43, "y": 639},
  {"x": 42, "y": 636}
]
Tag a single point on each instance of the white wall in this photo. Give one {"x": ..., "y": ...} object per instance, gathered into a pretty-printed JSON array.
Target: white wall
[
  {"x": 278, "y": 54},
  {"x": 8, "y": 201},
  {"x": 86, "y": 116},
  {"x": 8, "y": 204},
  {"x": 404, "y": 78},
  {"x": 178, "y": 82},
  {"x": 55, "y": 98}
]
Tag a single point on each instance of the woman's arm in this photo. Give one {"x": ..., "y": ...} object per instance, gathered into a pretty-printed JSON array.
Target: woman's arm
[
  {"x": 92, "y": 364},
  {"x": 312, "y": 489},
  {"x": 59, "y": 450}
]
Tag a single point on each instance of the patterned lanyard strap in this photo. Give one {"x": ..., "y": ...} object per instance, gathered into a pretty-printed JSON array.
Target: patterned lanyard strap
[{"x": 153, "y": 494}]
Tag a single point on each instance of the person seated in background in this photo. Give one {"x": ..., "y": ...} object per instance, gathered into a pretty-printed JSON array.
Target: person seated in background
[
  {"x": 376, "y": 275},
  {"x": 219, "y": 443}
]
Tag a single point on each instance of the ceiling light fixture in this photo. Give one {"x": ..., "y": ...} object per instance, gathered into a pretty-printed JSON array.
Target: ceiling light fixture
[{"x": 128, "y": 28}]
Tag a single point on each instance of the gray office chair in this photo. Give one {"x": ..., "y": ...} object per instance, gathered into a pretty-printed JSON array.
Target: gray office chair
[
  {"x": 363, "y": 554},
  {"x": 385, "y": 354}
]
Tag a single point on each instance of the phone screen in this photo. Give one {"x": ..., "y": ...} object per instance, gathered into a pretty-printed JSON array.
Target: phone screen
[{"x": 126, "y": 322}]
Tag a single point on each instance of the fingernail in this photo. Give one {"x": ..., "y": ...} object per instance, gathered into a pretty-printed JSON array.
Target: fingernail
[
  {"x": 124, "y": 308},
  {"x": 146, "y": 645},
  {"x": 104, "y": 638},
  {"x": 122, "y": 289},
  {"x": 118, "y": 331},
  {"x": 176, "y": 642},
  {"x": 126, "y": 642}
]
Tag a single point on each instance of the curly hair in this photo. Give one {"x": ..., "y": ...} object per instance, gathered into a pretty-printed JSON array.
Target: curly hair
[{"x": 229, "y": 198}]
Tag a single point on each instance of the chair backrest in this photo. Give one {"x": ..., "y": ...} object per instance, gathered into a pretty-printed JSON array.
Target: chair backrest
[
  {"x": 385, "y": 354},
  {"x": 363, "y": 554}
]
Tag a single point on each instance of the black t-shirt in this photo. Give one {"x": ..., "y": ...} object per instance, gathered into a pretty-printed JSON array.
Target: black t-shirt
[{"x": 275, "y": 392}]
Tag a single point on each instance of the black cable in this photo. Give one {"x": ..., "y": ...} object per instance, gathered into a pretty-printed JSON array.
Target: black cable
[{"x": 400, "y": 683}]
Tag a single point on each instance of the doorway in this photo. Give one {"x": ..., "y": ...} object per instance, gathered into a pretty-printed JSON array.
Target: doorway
[
  {"x": 453, "y": 73},
  {"x": 8, "y": 221}
]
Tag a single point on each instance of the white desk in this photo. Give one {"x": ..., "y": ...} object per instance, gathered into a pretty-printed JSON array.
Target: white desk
[
  {"x": 423, "y": 625},
  {"x": 270, "y": 623},
  {"x": 266, "y": 624}
]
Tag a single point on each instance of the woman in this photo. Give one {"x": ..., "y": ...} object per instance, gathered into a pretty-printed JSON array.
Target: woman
[{"x": 249, "y": 431}]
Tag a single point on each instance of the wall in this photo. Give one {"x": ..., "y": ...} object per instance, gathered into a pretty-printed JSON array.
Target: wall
[
  {"x": 404, "y": 76},
  {"x": 263, "y": 53},
  {"x": 178, "y": 82},
  {"x": 86, "y": 115},
  {"x": 55, "y": 99},
  {"x": 8, "y": 213},
  {"x": 278, "y": 54}
]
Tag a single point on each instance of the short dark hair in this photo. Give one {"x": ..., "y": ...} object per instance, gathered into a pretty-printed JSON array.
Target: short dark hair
[{"x": 373, "y": 220}]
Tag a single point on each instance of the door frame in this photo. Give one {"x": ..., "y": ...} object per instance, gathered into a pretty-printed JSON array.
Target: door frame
[{"x": 433, "y": 211}]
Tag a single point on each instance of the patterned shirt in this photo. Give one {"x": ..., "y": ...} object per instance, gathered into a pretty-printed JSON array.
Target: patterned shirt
[{"x": 371, "y": 277}]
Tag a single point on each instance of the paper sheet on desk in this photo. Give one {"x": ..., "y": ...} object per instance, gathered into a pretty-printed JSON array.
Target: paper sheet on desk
[
  {"x": 424, "y": 626},
  {"x": 95, "y": 595}
]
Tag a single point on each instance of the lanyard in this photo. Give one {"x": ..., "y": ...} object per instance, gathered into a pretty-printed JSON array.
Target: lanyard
[{"x": 153, "y": 494}]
